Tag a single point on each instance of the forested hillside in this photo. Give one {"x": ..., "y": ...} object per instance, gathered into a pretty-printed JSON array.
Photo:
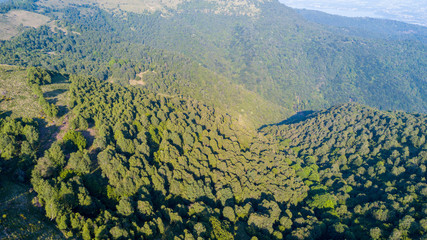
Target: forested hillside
[
  {"x": 145, "y": 123},
  {"x": 274, "y": 56},
  {"x": 162, "y": 166},
  {"x": 366, "y": 170},
  {"x": 25, "y": 130},
  {"x": 119, "y": 62},
  {"x": 130, "y": 163}
]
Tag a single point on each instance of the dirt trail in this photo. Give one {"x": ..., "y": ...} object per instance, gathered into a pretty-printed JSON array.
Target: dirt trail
[{"x": 141, "y": 82}]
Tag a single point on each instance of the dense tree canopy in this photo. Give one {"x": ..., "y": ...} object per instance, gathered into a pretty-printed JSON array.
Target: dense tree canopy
[
  {"x": 159, "y": 138},
  {"x": 162, "y": 166},
  {"x": 170, "y": 166},
  {"x": 19, "y": 140},
  {"x": 366, "y": 169}
]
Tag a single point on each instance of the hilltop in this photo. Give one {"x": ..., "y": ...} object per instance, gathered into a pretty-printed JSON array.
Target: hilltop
[{"x": 239, "y": 7}]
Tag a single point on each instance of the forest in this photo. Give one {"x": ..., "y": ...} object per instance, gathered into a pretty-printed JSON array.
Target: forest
[
  {"x": 136, "y": 164},
  {"x": 154, "y": 126},
  {"x": 299, "y": 66}
]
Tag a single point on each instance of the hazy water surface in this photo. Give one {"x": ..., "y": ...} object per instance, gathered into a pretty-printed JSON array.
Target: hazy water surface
[{"x": 410, "y": 11}]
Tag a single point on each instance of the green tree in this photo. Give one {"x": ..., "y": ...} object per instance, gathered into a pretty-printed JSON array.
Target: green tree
[
  {"x": 73, "y": 139},
  {"x": 80, "y": 161}
]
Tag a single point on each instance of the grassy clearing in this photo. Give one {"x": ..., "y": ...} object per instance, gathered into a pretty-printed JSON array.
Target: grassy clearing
[
  {"x": 10, "y": 22},
  {"x": 57, "y": 93},
  {"x": 139, "y": 80},
  {"x": 18, "y": 100},
  {"x": 19, "y": 219},
  {"x": 17, "y": 97}
]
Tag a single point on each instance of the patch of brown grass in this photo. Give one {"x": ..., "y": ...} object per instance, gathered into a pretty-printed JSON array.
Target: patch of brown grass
[
  {"x": 141, "y": 82},
  {"x": 136, "y": 82}
]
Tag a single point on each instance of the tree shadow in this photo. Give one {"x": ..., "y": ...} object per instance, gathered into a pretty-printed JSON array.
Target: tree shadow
[
  {"x": 62, "y": 111},
  {"x": 59, "y": 78},
  {"x": 5, "y": 114},
  {"x": 90, "y": 138},
  {"x": 54, "y": 93},
  {"x": 297, "y": 118},
  {"x": 48, "y": 135}
]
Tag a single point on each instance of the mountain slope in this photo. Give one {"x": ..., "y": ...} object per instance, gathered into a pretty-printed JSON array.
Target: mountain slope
[
  {"x": 130, "y": 163},
  {"x": 239, "y": 7},
  {"x": 22, "y": 135},
  {"x": 170, "y": 73},
  {"x": 366, "y": 170},
  {"x": 290, "y": 62},
  {"x": 166, "y": 166},
  {"x": 275, "y": 54},
  {"x": 156, "y": 135},
  {"x": 160, "y": 166}
]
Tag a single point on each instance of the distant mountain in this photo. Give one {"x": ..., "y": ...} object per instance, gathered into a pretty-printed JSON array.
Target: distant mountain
[
  {"x": 411, "y": 11},
  {"x": 367, "y": 27}
]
